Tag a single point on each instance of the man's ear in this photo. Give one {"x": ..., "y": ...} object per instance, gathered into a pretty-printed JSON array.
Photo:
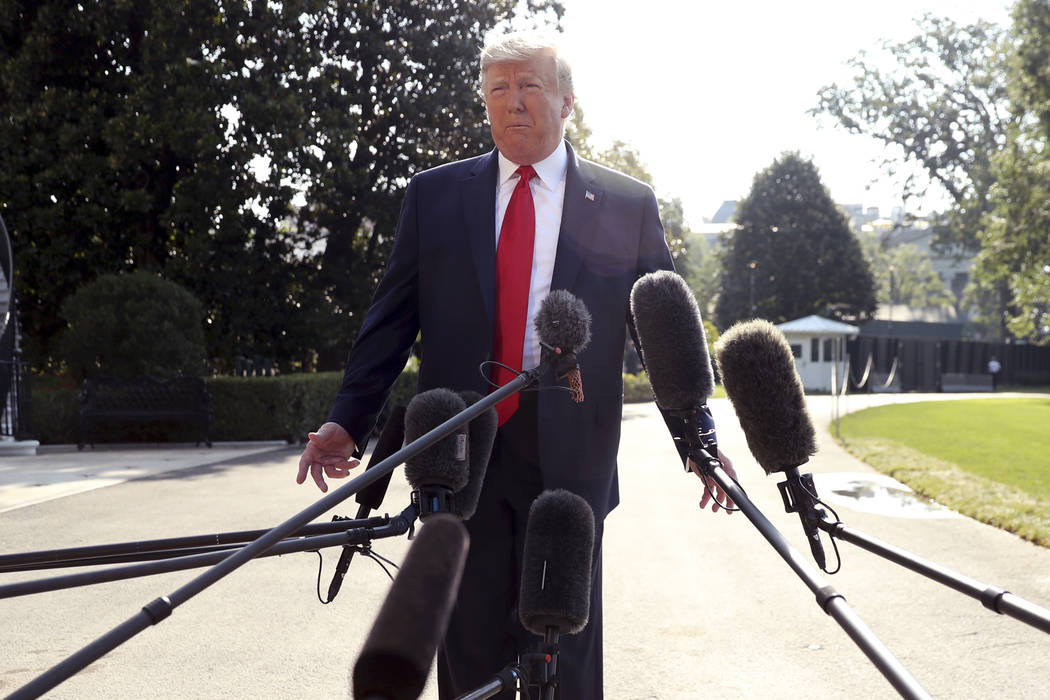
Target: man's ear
[{"x": 566, "y": 105}]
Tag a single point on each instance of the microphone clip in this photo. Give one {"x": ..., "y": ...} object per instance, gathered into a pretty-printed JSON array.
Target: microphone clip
[
  {"x": 700, "y": 438},
  {"x": 431, "y": 499},
  {"x": 800, "y": 496},
  {"x": 564, "y": 364}
]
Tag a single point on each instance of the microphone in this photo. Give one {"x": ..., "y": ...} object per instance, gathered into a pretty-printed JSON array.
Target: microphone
[
  {"x": 759, "y": 376},
  {"x": 371, "y": 497},
  {"x": 391, "y": 438},
  {"x": 556, "y": 564},
  {"x": 482, "y": 435},
  {"x": 673, "y": 348},
  {"x": 563, "y": 325},
  {"x": 442, "y": 469},
  {"x": 397, "y": 655},
  {"x": 555, "y": 591}
]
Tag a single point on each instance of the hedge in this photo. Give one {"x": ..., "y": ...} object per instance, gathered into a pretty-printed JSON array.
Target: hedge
[{"x": 284, "y": 407}]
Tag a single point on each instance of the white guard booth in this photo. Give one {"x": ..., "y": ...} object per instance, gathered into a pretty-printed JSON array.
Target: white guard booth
[{"x": 819, "y": 347}]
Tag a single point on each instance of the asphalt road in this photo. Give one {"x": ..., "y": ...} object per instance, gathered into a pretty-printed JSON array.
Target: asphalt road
[{"x": 697, "y": 605}]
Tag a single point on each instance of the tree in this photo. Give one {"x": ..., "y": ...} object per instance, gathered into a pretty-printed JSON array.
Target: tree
[
  {"x": 118, "y": 157},
  {"x": 133, "y": 324},
  {"x": 903, "y": 274},
  {"x": 254, "y": 152},
  {"x": 943, "y": 107},
  {"x": 1012, "y": 271},
  {"x": 792, "y": 253}
]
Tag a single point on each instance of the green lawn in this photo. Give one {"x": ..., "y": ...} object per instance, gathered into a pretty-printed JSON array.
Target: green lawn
[{"x": 987, "y": 458}]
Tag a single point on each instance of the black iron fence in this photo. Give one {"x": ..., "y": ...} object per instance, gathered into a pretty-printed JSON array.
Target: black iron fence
[
  {"x": 15, "y": 409},
  {"x": 920, "y": 363}
]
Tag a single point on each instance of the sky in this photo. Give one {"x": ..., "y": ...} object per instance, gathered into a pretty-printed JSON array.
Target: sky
[{"x": 710, "y": 93}]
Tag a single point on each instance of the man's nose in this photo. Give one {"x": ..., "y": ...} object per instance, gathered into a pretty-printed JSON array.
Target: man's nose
[{"x": 515, "y": 103}]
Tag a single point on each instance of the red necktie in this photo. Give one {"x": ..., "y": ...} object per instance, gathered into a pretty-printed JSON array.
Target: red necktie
[{"x": 513, "y": 279}]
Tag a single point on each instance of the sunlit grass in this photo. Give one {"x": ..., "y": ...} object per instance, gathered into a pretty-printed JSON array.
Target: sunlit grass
[{"x": 987, "y": 458}]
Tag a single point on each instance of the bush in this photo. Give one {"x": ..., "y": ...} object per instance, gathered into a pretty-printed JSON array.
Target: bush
[
  {"x": 55, "y": 407},
  {"x": 636, "y": 388},
  {"x": 130, "y": 325},
  {"x": 285, "y": 407}
]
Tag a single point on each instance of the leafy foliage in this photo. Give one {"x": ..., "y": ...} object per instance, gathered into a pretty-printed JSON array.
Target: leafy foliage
[
  {"x": 942, "y": 107},
  {"x": 253, "y": 152},
  {"x": 133, "y": 324},
  {"x": 903, "y": 274},
  {"x": 1012, "y": 271},
  {"x": 795, "y": 247}
]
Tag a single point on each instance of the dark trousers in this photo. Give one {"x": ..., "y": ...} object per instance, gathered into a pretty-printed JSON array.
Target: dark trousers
[{"x": 484, "y": 634}]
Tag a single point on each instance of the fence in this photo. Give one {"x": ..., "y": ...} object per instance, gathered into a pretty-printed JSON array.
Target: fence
[{"x": 922, "y": 362}]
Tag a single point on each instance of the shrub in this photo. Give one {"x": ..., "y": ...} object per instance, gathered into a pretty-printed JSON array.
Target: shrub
[
  {"x": 636, "y": 388},
  {"x": 130, "y": 325}
]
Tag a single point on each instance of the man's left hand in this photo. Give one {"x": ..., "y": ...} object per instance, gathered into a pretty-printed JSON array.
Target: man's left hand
[{"x": 720, "y": 499}]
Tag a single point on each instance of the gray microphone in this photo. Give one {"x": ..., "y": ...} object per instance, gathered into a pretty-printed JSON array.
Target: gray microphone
[
  {"x": 673, "y": 348},
  {"x": 396, "y": 657},
  {"x": 759, "y": 376},
  {"x": 437, "y": 472}
]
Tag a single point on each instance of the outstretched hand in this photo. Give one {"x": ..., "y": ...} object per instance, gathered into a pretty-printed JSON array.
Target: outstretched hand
[
  {"x": 721, "y": 499},
  {"x": 328, "y": 452}
]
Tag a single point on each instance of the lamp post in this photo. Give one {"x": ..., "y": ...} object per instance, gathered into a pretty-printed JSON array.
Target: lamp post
[
  {"x": 751, "y": 284},
  {"x": 891, "y": 301}
]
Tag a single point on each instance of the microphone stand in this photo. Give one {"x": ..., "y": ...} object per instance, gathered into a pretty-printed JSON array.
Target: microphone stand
[
  {"x": 992, "y": 597},
  {"x": 159, "y": 609},
  {"x": 800, "y": 495},
  {"x": 830, "y": 601},
  {"x": 506, "y": 679},
  {"x": 390, "y": 439},
  {"x": 383, "y": 527},
  {"x": 145, "y": 550}
]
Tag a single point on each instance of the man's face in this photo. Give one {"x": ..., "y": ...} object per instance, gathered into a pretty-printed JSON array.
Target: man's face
[{"x": 526, "y": 113}]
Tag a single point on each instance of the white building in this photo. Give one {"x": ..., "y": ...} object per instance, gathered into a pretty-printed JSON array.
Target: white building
[{"x": 819, "y": 347}]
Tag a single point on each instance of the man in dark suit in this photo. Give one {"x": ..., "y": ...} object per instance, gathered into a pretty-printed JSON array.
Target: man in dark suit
[{"x": 460, "y": 275}]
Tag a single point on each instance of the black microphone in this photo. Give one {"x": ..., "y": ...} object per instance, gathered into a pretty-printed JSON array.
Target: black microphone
[
  {"x": 397, "y": 655},
  {"x": 555, "y": 594},
  {"x": 442, "y": 469},
  {"x": 482, "y": 435},
  {"x": 371, "y": 497},
  {"x": 673, "y": 348},
  {"x": 391, "y": 438},
  {"x": 563, "y": 325},
  {"x": 556, "y": 564},
  {"x": 759, "y": 376}
]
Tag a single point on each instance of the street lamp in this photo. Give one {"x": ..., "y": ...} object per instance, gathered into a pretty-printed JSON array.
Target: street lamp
[{"x": 751, "y": 283}]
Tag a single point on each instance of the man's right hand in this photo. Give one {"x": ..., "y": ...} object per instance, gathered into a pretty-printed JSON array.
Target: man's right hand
[{"x": 328, "y": 452}]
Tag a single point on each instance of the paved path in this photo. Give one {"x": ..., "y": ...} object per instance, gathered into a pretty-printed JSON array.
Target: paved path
[{"x": 697, "y": 604}]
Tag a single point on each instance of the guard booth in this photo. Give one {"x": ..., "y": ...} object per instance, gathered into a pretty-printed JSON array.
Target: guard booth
[{"x": 819, "y": 347}]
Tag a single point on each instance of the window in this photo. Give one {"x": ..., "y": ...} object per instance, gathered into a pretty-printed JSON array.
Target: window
[
  {"x": 796, "y": 350},
  {"x": 829, "y": 350},
  {"x": 814, "y": 349}
]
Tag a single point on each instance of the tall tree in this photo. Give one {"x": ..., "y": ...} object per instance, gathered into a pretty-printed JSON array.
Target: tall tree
[
  {"x": 943, "y": 106},
  {"x": 254, "y": 152},
  {"x": 1012, "y": 272},
  {"x": 792, "y": 253},
  {"x": 903, "y": 274}
]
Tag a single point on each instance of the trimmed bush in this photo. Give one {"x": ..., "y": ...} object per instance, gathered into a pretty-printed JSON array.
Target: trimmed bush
[
  {"x": 130, "y": 325},
  {"x": 636, "y": 388}
]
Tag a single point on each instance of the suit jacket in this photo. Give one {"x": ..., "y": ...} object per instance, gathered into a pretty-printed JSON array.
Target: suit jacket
[{"x": 440, "y": 282}]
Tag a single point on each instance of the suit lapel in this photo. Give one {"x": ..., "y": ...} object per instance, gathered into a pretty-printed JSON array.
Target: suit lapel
[
  {"x": 583, "y": 195},
  {"x": 479, "y": 207}
]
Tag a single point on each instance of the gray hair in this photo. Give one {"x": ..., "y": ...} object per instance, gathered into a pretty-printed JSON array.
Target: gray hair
[{"x": 522, "y": 46}]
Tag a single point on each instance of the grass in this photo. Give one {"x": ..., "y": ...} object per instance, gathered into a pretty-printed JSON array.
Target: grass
[{"x": 986, "y": 458}]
